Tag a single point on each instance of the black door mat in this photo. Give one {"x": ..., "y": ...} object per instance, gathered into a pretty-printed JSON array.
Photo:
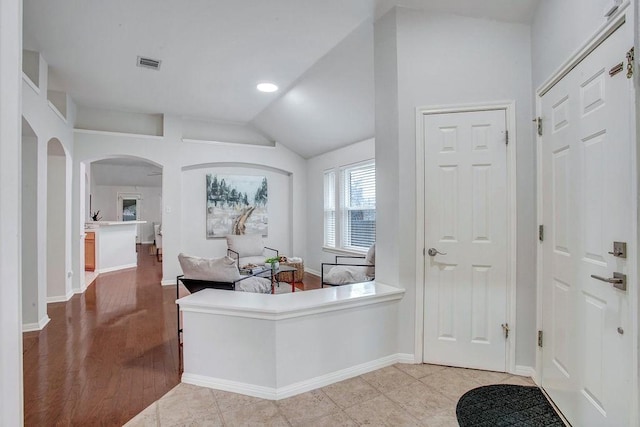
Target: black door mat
[{"x": 506, "y": 405}]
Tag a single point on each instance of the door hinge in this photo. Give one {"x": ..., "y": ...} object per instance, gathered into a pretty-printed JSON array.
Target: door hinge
[
  {"x": 540, "y": 339},
  {"x": 423, "y": 251},
  {"x": 630, "y": 59},
  {"x": 541, "y": 233},
  {"x": 506, "y": 137},
  {"x": 505, "y": 329},
  {"x": 538, "y": 120}
]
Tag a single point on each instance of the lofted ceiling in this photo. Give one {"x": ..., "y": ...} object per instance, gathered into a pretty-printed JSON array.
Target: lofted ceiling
[{"x": 214, "y": 52}]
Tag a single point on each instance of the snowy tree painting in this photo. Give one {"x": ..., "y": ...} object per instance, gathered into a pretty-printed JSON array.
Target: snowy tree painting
[{"x": 236, "y": 204}]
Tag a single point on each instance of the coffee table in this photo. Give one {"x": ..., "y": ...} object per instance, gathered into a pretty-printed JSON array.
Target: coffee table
[{"x": 274, "y": 276}]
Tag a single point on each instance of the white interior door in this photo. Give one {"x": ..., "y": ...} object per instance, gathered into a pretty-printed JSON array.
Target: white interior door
[
  {"x": 466, "y": 220},
  {"x": 586, "y": 206}
]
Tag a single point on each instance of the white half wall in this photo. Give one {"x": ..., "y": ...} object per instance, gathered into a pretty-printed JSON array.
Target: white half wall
[
  {"x": 449, "y": 60},
  {"x": 354, "y": 153}
]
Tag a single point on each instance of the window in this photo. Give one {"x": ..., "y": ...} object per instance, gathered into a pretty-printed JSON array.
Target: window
[
  {"x": 354, "y": 228},
  {"x": 330, "y": 209}
]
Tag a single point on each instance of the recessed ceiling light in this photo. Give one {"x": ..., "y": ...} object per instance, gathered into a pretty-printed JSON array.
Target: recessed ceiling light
[{"x": 267, "y": 87}]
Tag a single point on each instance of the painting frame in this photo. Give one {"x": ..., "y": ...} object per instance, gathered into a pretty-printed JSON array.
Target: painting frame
[{"x": 236, "y": 204}]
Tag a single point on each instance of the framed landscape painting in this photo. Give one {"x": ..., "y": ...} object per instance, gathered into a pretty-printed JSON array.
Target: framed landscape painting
[{"x": 236, "y": 204}]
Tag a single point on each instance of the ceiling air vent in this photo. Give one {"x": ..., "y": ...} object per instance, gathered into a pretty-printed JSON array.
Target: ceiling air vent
[{"x": 154, "y": 64}]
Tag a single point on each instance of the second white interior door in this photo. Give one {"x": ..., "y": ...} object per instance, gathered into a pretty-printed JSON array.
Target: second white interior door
[{"x": 466, "y": 221}]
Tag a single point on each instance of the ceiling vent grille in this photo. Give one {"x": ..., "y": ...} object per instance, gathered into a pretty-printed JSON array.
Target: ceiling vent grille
[{"x": 143, "y": 62}]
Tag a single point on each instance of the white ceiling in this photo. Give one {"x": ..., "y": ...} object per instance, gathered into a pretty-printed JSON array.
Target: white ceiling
[{"x": 214, "y": 52}]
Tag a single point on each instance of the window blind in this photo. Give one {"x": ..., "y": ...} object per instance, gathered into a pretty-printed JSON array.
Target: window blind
[
  {"x": 359, "y": 206},
  {"x": 330, "y": 209}
]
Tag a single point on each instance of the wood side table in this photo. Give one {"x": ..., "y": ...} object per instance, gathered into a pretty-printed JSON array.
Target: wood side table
[{"x": 296, "y": 276}]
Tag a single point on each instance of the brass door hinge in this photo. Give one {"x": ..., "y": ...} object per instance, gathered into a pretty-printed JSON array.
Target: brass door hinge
[{"x": 540, "y": 339}]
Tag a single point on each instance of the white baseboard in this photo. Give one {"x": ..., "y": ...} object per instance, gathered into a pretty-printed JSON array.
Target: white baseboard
[
  {"x": 168, "y": 282},
  {"x": 311, "y": 271},
  {"x": 525, "y": 371},
  {"x": 30, "y": 327},
  {"x": 61, "y": 298},
  {"x": 116, "y": 268},
  {"x": 147, "y": 243},
  {"x": 272, "y": 393},
  {"x": 407, "y": 358}
]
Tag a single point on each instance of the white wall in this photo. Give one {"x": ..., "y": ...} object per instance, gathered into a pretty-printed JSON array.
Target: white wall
[
  {"x": 47, "y": 125},
  {"x": 559, "y": 28},
  {"x": 11, "y": 407},
  {"x": 58, "y": 284},
  {"x": 194, "y": 211},
  {"x": 105, "y": 199},
  {"x": 449, "y": 60},
  {"x": 354, "y": 153},
  {"x": 119, "y": 121},
  {"x": 174, "y": 156},
  {"x": 29, "y": 230}
]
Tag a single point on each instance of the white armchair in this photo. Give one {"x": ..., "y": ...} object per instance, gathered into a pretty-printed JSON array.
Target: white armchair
[
  {"x": 341, "y": 273},
  {"x": 157, "y": 240},
  {"x": 248, "y": 249}
]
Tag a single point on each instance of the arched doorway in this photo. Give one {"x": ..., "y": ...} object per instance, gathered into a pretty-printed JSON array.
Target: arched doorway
[
  {"x": 120, "y": 188},
  {"x": 58, "y": 224}
]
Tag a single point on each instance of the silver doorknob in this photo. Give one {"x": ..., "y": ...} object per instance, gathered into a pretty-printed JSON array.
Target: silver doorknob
[{"x": 434, "y": 252}]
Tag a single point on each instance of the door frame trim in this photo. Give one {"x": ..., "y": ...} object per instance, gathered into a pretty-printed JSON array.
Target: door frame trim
[
  {"x": 622, "y": 16},
  {"x": 509, "y": 108}
]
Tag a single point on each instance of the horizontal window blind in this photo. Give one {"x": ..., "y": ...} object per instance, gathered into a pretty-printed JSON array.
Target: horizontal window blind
[
  {"x": 330, "y": 209},
  {"x": 359, "y": 206}
]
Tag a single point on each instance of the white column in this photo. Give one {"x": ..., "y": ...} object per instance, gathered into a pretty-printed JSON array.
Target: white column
[{"x": 11, "y": 411}]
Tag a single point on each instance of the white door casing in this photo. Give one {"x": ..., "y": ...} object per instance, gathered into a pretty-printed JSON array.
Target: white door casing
[
  {"x": 466, "y": 217},
  {"x": 586, "y": 198}
]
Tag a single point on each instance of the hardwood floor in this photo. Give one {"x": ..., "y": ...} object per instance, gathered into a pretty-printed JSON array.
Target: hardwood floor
[{"x": 106, "y": 354}]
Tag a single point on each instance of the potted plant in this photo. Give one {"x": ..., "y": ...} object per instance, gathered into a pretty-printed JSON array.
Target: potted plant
[{"x": 274, "y": 262}]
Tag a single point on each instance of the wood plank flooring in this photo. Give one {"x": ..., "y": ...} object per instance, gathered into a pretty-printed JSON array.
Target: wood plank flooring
[{"x": 106, "y": 354}]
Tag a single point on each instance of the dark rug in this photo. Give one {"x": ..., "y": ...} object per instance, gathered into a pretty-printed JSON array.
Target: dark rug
[{"x": 506, "y": 405}]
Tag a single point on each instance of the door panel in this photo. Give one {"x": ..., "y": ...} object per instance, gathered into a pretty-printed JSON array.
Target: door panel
[
  {"x": 586, "y": 206},
  {"x": 465, "y": 213}
]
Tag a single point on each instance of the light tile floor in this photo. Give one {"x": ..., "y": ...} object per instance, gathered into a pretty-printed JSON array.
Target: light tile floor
[{"x": 399, "y": 395}]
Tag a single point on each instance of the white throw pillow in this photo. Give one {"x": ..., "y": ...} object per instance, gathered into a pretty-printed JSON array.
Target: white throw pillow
[
  {"x": 342, "y": 275},
  {"x": 246, "y": 245},
  {"x": 370, "y": 259},
  {"x": 254, "y": 284},
  {"x": 214, "y": 269}
]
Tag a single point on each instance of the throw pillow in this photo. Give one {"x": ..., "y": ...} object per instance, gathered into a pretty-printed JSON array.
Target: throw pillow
[
  {"x": 214, "y": 269},
  {"x": 246, "y": 245},
  {"x": 370, "y": 259}
]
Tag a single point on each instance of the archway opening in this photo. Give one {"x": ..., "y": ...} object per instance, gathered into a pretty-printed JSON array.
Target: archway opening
[{"x": 121, "y": 189}]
